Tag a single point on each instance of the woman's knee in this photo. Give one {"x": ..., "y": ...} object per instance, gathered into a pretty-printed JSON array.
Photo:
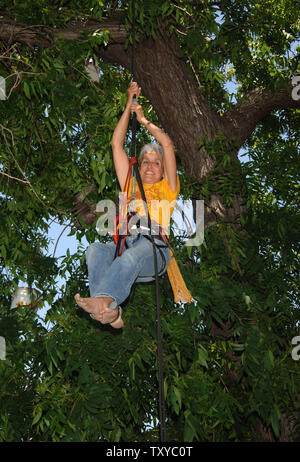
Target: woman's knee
[
  {"x": 91, "y": 250},
  {"x": 97, "y": 250}
]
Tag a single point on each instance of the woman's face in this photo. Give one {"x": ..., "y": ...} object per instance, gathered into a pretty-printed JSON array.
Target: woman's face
[{"x": 151, "y": 168}]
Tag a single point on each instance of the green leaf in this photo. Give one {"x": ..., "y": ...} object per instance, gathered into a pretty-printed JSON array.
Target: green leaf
[
  {"x": 132, "y": 368},
  {"x": 269, "y": 360},
  {"x": 26, "y": 89},
  {"x": 84, "y": 374},
  {"x": 175, "y": 398},
  {"x": 37, "y": 414},
  {"x": 275, "y": 420},
  {"x": 202, "y": 355}
]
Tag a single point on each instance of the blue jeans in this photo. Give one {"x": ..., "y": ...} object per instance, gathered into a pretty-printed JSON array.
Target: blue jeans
[{"x": 114, "y": 277}]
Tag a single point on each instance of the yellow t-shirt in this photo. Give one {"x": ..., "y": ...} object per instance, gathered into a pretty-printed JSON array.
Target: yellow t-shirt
[
  {"x": 160, "y": 199},
  {"x": 160, "y": 203}
]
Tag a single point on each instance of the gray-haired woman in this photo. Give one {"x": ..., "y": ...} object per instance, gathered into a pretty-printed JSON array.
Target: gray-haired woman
[{"x": 111, "y": 279}]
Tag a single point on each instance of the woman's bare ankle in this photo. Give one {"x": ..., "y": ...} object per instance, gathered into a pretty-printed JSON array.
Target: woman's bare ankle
[{"x": 118, "y": 323}]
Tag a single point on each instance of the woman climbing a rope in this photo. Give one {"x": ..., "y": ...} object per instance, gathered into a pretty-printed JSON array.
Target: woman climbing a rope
[{"x": 110, "y": 278}]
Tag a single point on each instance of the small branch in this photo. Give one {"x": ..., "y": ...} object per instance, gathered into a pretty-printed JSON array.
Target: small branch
[
  {"x": 85, "y": 76},
  {"x": 56, "y": 244},
  {"x": 14, "y": 178},
  {"x": 194, "y": 72}
]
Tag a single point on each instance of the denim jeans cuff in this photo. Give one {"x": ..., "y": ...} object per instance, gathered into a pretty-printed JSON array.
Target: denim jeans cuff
[{"x": 113, "y": 305}]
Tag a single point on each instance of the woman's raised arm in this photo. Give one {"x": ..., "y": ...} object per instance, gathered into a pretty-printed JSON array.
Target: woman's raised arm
[
  {"x": 169, "y": 159},
  {"x": 120, "y": 158}
]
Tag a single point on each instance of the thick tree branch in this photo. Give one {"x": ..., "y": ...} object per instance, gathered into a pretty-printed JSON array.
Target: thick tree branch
[
  {"x": 243, "y": 118},
  {"x": 84, "y": 209},
  {"x": 43, "y": 36}
]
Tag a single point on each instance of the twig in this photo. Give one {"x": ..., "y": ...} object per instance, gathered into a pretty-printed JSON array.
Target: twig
[
  {"x": 87, "y": 78},
  {"x": 194, "y": 71},
  {"x": 66, "y": 226},
  {"x": 15, "y": 178}
]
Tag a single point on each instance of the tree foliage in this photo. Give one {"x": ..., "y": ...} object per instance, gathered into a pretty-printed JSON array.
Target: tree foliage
[{"x": 229, "y": 373}]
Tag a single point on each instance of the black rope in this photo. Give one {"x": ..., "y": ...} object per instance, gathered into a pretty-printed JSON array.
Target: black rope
[
  {"x": 162, "y": 408},
  {"x": 133, "y": 73}
]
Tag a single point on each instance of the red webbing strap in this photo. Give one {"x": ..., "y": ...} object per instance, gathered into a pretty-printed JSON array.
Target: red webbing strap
[{"x": 123, "y": 208}]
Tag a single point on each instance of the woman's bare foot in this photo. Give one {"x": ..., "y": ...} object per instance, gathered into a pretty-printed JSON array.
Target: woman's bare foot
[
  {"x": 108, "y": 316},
  {"x": 92, "y": 305},
  {"x": 98, "y": 307}
]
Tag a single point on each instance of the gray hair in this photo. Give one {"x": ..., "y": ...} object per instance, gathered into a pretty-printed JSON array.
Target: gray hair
[{"x": 151, "y": 147}]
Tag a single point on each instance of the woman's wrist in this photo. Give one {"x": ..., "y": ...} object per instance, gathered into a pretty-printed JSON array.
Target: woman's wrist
[{"x": 145, "y": 122}]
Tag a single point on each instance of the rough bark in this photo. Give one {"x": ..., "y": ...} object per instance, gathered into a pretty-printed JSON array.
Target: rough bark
[{"x": 43, "y": 36}]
